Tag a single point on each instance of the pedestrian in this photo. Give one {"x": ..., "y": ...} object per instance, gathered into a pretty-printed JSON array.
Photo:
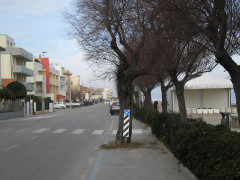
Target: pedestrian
[{"x": 155, "y": 104}]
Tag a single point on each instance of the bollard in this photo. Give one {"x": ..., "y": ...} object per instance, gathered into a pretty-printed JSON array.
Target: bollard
[{"x": 225, "y": 121}]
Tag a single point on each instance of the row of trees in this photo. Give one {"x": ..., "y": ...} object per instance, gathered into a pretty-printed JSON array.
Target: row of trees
[{"x": 147, "y": 42}]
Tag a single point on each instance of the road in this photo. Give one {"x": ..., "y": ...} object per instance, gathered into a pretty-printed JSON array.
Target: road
[{"x": 63, "y": 145}]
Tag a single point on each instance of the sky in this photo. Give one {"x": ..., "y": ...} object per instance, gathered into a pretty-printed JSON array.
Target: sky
[{"x": 39, "y": 26}]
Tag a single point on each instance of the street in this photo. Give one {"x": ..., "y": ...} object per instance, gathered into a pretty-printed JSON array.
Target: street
[{"x": 63, "y": 145}]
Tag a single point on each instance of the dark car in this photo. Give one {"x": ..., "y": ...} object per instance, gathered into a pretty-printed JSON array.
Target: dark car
[{"x": 115, "y": 108}]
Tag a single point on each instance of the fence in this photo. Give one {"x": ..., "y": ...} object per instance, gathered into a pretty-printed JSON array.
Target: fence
[{"x": 10, "y": 107}]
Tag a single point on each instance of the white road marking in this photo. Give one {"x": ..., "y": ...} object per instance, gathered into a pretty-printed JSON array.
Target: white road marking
[
  {"x": 35, "y": 137},
  {"x": 41, "y": 130},
  {"x": 78, "y": 131},
  {"x": 59, "y": 131},
  {"x": 4, "y": 131},
  {"x": 22, "y": 130},
  {"x": 137, "y": 131},
  {"x": 39, "y": 117},
  {"x": 11, "y": 147},
  {"x": 97, "y": 132},
  {"x": 134, "y": 131}
]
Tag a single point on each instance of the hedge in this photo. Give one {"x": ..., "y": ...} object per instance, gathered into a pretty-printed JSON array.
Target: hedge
[{"x": 210, "y": 152}]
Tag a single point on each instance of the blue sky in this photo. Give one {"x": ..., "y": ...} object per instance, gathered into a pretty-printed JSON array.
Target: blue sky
[{"x": 39, "y": 26}]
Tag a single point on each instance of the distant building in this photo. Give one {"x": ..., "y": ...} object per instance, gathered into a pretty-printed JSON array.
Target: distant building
[
  {"x": 13, "y": 63},
  {"x": 67, "y": 75},
  {"x": 39, "y": 78},
  {"x": 52, "y": 78},
  {"x": 62, "y": 80}
]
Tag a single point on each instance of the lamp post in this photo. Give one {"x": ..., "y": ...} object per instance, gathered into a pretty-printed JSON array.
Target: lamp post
[
  {"x": 1, "y": 49},
  {"x": 43, "y": 87}
]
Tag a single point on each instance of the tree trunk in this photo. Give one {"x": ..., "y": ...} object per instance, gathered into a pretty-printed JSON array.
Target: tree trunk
[
  {"x": 137, "y": 97},
  {"x": 164, "y": 99},
  {"x": 125, "y": 95},
  {"x": 148, "y": 99},
  {"x": 181, "y": 101},
  {"x": 234, "y": 70}
]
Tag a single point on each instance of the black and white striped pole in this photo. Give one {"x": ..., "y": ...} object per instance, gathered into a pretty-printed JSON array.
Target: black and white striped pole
[{"x": 126, "y": 122}]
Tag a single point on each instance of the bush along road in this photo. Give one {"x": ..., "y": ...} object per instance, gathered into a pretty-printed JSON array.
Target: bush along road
[{"x": 210, "y": 152}]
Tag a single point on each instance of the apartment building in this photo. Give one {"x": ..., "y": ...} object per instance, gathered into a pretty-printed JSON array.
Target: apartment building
[
  {"x": 39, "y": 78},
  {"x": 62, "y": 80},
  {"x": 13, "y": 63},
  {"x": 67, "y": 75},
  {"x": 52, "y": 78}
]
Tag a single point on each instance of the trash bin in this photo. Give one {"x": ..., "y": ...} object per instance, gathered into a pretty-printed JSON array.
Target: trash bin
[{"x": 225, "y": 119}]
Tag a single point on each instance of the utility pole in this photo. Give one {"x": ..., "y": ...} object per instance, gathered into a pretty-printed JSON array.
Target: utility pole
[{"x": 1, "y": 49}]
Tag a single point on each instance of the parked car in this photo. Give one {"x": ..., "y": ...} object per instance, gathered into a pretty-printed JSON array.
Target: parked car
[
  {"x": 115, "y": 108},
  {"x": 73, "y": 104},
  {"x": 59, "y": 105}
]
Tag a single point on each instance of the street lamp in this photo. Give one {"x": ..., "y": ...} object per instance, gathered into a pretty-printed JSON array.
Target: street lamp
[{"x": 43, "y": 87}]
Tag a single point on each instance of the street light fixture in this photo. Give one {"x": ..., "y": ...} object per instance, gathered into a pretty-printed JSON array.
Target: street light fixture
[{"x": 43, "y": 87}]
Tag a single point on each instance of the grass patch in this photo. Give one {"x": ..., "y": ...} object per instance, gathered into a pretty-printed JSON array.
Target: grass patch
[{"x": 113, "y": 145}]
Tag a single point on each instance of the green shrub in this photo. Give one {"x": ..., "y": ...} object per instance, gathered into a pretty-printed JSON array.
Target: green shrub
[
  {"x": 18, "y": 89},
  {"x": 210, "y": 152},
  {"x": 7, "y": 94}
]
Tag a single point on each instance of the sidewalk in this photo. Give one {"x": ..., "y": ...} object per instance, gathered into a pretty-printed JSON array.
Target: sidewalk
[
  {"x": 153, "y": 162},
  {"x": 213, "y": 119}
]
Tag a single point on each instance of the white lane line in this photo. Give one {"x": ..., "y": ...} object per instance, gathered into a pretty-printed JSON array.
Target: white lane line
[
  {"x": 78, "y": 131},
  {"x": 22, "y": 130},
  {"x": 97, "y": 132},
  {"x": 137, "y": 131},
  {"x": 4, "y": 131},
  {"x": 41, "y": 130},
  {"x": 35, "y": 137},
  {"x": 11, "y": 147},
  {"x": 59, "y": 131},
  {"x": 134, "y": 131}
]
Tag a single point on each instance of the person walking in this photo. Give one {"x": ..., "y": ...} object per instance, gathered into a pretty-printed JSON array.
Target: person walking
[{"x": 155, "y": 104}]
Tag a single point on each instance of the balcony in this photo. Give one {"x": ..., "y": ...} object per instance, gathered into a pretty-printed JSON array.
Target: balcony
[
  {"x": 29, "y": 87},
  {"x": 30, "y": 80},
  {"x": 39, "y": 91},
  {"x": 39, "y": 78},
  {"x": 22, "y": 70},
  {"x": 20, "y": 53}
]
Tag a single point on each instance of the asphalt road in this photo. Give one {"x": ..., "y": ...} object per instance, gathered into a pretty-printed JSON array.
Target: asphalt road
[{"x": 63, "y": 145}]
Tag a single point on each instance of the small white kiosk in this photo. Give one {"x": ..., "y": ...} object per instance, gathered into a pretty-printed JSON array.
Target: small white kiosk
[{"x": 204, "y": 95}]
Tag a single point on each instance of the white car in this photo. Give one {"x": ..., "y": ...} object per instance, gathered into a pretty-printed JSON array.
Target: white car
[{"x": 59, "y": 105}]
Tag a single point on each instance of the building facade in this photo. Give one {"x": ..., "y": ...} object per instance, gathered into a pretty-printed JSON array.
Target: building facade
[{"x": 13, "y": 63}]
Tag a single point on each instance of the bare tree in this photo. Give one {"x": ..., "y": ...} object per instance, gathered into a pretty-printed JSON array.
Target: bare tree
[
  {"x": 218, "y": 25},
  {"x": 147, "y": 83},
  {"x": 113, "y": 32}
]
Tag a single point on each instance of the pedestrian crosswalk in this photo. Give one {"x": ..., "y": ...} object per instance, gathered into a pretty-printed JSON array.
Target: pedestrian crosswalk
[{"x": 68, "y": 131}]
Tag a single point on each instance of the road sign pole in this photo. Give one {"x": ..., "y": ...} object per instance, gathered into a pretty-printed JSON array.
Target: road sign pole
[{"x": 126, "y": 122}]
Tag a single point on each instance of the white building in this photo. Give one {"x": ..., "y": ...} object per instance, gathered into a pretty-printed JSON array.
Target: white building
[
  {"x": 204, "y": 94},
  {"x": 13, "y": 63},
  {"x": 39, "y": 78}
]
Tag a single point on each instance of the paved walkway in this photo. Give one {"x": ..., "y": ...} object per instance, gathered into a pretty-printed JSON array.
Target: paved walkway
[{"x": 153, "y": 162}]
